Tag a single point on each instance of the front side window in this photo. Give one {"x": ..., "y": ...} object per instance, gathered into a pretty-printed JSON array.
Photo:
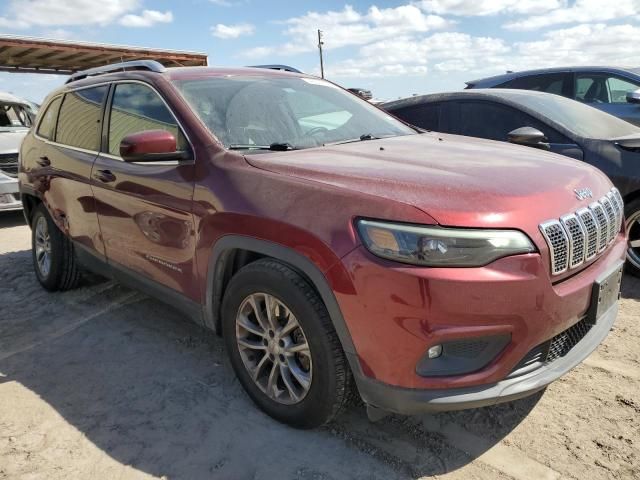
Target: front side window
[
  {"x": 618, "y": 89},
  {"x": 47, "y": 126},
  {"x": 252, "y": 111},
  {"x": 79, "y": 119},
  {"x": 494, "y": 122},
  {"x": 137, "y": 108},
  {"x": 600, "y": 88}
]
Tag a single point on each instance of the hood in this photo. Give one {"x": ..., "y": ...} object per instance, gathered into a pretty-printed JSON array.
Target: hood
[
  {"x": 10, "y": 139},
  {"x": 459, "y": 181}
]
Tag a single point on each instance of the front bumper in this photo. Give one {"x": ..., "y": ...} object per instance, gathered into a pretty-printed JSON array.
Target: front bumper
[
  {"x": 9, "y": 195},
  {"x": 409, "y": 401}
]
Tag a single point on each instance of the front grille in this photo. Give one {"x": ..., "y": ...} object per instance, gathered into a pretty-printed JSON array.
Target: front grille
[
  {"x": 553, "y": 349},
  {"x": 578, "y": 237},
  {"x": 9, "y": 164}
]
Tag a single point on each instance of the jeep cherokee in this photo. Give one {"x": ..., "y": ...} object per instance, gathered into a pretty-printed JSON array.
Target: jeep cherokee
[{"x": 336, "y": 249}]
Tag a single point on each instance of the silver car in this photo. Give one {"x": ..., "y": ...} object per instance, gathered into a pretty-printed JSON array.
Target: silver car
[{"x": 16, "y": 116}]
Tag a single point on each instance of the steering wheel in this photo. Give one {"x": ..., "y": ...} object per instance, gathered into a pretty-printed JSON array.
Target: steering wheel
[{"x": 315, "y": 131}]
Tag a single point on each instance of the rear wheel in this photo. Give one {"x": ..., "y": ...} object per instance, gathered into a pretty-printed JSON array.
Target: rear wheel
[
  {"x": 53, "y": 257},
  {"x": 632, "y": 212},
  {"x": 283, "y": 347}
]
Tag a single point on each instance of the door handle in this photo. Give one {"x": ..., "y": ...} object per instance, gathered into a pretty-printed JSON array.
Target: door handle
[
  {"x": 43, "y": 161},
  {"x": 105, "y": 176}
]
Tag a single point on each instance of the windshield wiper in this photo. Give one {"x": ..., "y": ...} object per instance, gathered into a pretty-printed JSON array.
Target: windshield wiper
[
  {"x": 361, "y": 138},
  {"x": 276, "y": 147}
]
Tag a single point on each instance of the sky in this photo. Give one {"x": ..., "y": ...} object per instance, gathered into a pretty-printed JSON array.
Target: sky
[{"x": 394, "y": 48}]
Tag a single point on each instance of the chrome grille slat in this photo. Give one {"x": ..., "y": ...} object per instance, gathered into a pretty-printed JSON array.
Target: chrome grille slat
[
  {"x": 611, "y": 218},
  {"x": 579, "y": 237},
  {"x": 558, "y": 242},
  {"x": 601, "y": 218},
  {"x": 592, "y": 229}
]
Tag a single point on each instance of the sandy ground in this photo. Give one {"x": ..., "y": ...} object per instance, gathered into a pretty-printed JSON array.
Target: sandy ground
[{"x": 103, "y": 382}]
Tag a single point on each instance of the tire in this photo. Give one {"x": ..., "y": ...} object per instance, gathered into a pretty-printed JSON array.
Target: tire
[
  {"x": 632, "y": 214},
  {"x": 48, "y": 242},
  {"x": 323, "y": 366}
]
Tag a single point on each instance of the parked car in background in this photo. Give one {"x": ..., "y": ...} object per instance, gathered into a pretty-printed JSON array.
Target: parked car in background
[
  {"x": 610, "y": 89},
  {"x": 16, "y": 116},
  {"x": 327, "y": 241},
  {"x": 542, "y": 121}
]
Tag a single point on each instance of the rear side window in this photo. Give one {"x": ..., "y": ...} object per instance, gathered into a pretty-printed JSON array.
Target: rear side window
[
  {"x": 79, "y": 119},
  {"x": 47, "y": 127},
  {"x": 551, "y": 83},
  {"x": 425, "y": 116},
  {"x": 137, "y": 108}
]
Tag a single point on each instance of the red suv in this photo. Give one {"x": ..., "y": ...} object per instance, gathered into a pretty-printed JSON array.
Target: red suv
[{"x": 334, "y": 248}]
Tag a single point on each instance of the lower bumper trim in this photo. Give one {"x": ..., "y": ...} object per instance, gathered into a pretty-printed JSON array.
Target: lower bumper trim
[{"x": 408, "y": 401}]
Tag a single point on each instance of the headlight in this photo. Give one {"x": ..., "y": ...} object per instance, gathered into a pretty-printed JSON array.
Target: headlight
[{"x": 440, "y": 246}]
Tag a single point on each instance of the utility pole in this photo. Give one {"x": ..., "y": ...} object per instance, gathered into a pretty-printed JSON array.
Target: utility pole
[{"x": 320, "y": 43}]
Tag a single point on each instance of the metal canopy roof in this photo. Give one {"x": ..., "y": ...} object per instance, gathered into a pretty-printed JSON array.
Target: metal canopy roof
[{"x": 40, "y": 55}]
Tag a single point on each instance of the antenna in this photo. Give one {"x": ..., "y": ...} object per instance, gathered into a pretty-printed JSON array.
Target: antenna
[{"x": 320, "y": 43}]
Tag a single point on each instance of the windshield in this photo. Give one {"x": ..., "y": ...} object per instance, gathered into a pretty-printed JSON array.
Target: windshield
[
  {"x": 576, "y": 117},
  {"x": 247, "y": 111},
  {"x": 14, "y": 116}
]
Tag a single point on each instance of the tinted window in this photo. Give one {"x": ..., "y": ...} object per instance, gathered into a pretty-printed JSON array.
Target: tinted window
[
  {"x": 47, "y": 125},
  {"x": 137, "y": 108},
  {"x": 425, "y": 116},
  {"x": 494, "y": 122},
  {"x": 581, "y": 119},
  {"x": 601, "y": 88},
  {"x": 79, "y": 119},
  {"x": 551, "y": 83}
]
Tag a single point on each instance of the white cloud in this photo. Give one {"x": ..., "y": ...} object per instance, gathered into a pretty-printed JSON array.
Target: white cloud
[
  {"x": 49, "y": 13},
  {"x": 581, "y": 45},
  {"x": 226, "y": 3},
  {"x": 349, "y": 27},
  {"x": 232, "y": 31},
  {"x": 488, "y": 7},
  {"x": 443, "y": 51},
  {"x": 582, "y": 11},
  {"x": 147, "y": 19}
]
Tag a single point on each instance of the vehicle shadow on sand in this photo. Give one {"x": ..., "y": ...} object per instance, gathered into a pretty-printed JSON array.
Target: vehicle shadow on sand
[
  {"x": 155, "y": 392},
  {"x": 11, "y": 219}
]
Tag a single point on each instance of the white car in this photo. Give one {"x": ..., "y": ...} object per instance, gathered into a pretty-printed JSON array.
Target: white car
[{"x": 16, "y": 116}]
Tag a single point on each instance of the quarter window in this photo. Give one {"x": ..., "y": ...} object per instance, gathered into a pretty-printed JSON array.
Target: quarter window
[
  {"x": 47, "y": 126},
  {"x": 79, "y": 120},
  {"x": 137, "y": 108}
]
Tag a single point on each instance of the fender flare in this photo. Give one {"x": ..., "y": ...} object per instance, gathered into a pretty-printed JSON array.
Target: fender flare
[{"x": 218, "y": 263}]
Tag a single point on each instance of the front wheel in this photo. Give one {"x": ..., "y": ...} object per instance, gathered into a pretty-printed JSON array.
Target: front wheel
[
  {"x": 283, "y": 347},
  {"x": 53, "y": 257},
  {"x": 632, "y": 212}
]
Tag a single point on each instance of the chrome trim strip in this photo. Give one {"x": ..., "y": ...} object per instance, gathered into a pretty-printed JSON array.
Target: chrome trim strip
[
  {"x": 544, "y": 227},
  {"x": 566, "y": 221}
]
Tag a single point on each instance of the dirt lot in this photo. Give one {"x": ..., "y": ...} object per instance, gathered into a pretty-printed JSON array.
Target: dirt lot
[{"x": 103, "y": 382}]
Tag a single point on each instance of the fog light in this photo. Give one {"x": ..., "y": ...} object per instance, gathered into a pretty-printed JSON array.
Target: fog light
[{"x": 435, "y": 351}]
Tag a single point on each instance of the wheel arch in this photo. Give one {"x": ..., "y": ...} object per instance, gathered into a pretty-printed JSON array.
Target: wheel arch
[{"x": 232, "y": 251}]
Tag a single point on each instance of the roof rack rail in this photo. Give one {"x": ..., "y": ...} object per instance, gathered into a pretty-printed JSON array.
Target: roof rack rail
[
  {"x": 149, "y": 65},
  {"x": 284, "y": 68}
]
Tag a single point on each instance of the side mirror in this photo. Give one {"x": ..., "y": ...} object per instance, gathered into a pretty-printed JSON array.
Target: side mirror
[
  {"x": 529, "y": 137},
  {"x": 150, "y": 146},
  {"x": 633, "y": 97}
]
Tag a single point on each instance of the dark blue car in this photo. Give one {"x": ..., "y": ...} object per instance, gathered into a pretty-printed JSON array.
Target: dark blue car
[{"x": 610, "y": 89}]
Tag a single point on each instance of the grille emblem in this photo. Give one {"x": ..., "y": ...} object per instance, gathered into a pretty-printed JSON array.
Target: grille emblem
[{"x": 583, "y": 193}]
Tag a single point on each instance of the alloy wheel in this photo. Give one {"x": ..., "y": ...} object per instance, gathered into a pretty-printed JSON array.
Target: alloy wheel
[
  {"x": 43, "y": 247},
  {"x": 633, "y": 253},
  {"x": 273, "y": 348}
]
